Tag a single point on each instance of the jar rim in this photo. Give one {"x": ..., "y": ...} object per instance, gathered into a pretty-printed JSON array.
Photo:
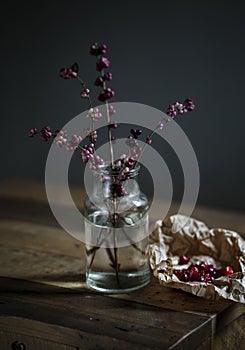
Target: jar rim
[{"x": 108, "y": 170}]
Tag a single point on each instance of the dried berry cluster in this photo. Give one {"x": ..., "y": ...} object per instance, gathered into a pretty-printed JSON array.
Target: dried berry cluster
[
  {"x": 87, "y": 150},
  {"x": 200, "y": 272}
]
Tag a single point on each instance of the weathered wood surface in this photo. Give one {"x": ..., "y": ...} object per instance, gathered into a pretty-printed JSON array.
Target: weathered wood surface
[{"x": 34, "y": 248}]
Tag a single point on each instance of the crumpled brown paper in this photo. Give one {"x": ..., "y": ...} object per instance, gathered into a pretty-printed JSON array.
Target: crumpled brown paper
[{"x": 170, "y": 239}]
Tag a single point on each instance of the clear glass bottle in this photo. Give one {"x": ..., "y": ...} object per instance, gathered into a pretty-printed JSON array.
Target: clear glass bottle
[{"x": 116, "y": 233}]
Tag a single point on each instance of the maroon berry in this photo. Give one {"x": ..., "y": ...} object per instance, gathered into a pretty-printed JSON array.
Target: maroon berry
[
  {"x": 208, "y": 278},
  {"x": 117, "y": 190},
  {"x": 136, "y": 133},
  {"x": 113, "y": 125},
  {"x": 194, "y": 273},
  {"x": 94, "y": 50},
  {"x": 211, "y": 270},
  {"x": 68, "y": 73},
  {"x": 226, "y": 271},
  {"x": 85, "y": 93},
  {"x": 203, "y": 265},
  {"x": 184, "y": 259},
  {"x": 201, "y": 272},
  {"x": 32, "y": 132},
  {"x": 189, "y": 105},
  {"x": 148, "y": 141},
  {"x": 102, "y": 63},
  {"x": 178, "y": 273},
  {"x": 102, "y": 49},
  {"x": 45, "y": 133},
  {"x": 185, "y": 275},
  {"x": 106, "y": 94},
  {"x": 215, "y": 274},
  {"x": 107, "y": 76},
  {"x": 99, "y": 81}
]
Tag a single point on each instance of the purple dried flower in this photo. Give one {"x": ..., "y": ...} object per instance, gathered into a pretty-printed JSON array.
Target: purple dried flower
[
  {"x": 111, "y": 110},
  {"x": 106, "y": 94},
  {"x": 117, "y": 190},
  {"x": 85, "y": 93},
  {"x": 189, "y": 104},
  {"x": 107, "y": 76},
  {"x": 124, "y": 173},
  {"x": 32, "y": 132},
  {"x": 45, "y": 133},
  {"x": 87, "y": 153},
  {"x": 130, "y": 162},
  {"x": 69, "y": 73},
  {"x": 123, "y": 157},
  {"x": 118, "y": 163},
  {"x": 102, "y": 49},
  {"x": 148, "y": 140},
  {"x": 96, "y": 162},
  {"x": 160, "y": 125},
  {"x": 73, "y": 144},
  {"x": 136, "y": 133},
  {"x": 171, "y": 111},
  {"x": 131, "y": 141},
  {"x": 94, "y": 113},
  {"x": 60, "y": 137},
  {"x": 93, "y": 136},
  {"x": 96, "y": 50},
  {"x": 135, "y": 152},
  {"x": 99, "y": 81},
  {"x": 179, "y": 108},
  {"x": 113, "y": 125},
  {"x": 102, "y": 63}
]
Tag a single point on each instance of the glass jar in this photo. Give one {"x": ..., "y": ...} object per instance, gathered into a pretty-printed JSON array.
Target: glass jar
[{"x": 116, "y": 232}]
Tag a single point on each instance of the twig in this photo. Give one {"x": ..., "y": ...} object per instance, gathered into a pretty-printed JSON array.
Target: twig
[
  {"x": 132, "y": 243},
  {"x": 116, "y": 256},
  {"x": 94, "y": 249}
]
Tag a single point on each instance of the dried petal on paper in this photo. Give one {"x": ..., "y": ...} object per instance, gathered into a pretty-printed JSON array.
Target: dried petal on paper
[{"x": 171, "y": 239}]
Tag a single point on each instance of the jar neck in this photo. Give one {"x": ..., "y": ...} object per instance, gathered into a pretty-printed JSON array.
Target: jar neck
[{"x": 115, "y": 184}]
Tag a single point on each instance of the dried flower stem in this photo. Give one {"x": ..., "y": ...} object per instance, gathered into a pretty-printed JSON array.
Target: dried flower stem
[
  {"x": 115, "y": 241},
  {"x": 134, "y": 245},
  {"x": 109, "y": 130},
  {"x": 164, "y": 121},
  {"x": 94, "y": 249},
  {"x": 116, "y": 256},
  {"x": 84, "y": 86}
]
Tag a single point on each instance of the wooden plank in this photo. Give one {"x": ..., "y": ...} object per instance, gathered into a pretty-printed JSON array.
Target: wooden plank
[
  {"x": 59, "y": 336},
  {"x": 66, "y": 271},
  {"x": 38, "y": 237},
  {"x": 96, "y": 313},
  {"x": 231, "y": 336},
  {"x": 7, "y": 341}
]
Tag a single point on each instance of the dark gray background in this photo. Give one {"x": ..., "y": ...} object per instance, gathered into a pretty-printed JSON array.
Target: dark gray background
[{"x": 161, "y": 51}]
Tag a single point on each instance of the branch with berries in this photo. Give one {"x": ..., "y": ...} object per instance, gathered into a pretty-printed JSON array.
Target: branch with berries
[{"x": 87, "y": 150}]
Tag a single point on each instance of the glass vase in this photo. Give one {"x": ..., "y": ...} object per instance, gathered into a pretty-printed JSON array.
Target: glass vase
[{"x": 116, "y": 232}]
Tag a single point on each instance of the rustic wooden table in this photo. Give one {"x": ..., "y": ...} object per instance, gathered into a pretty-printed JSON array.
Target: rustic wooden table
[{"x": 45, "y": 303}]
